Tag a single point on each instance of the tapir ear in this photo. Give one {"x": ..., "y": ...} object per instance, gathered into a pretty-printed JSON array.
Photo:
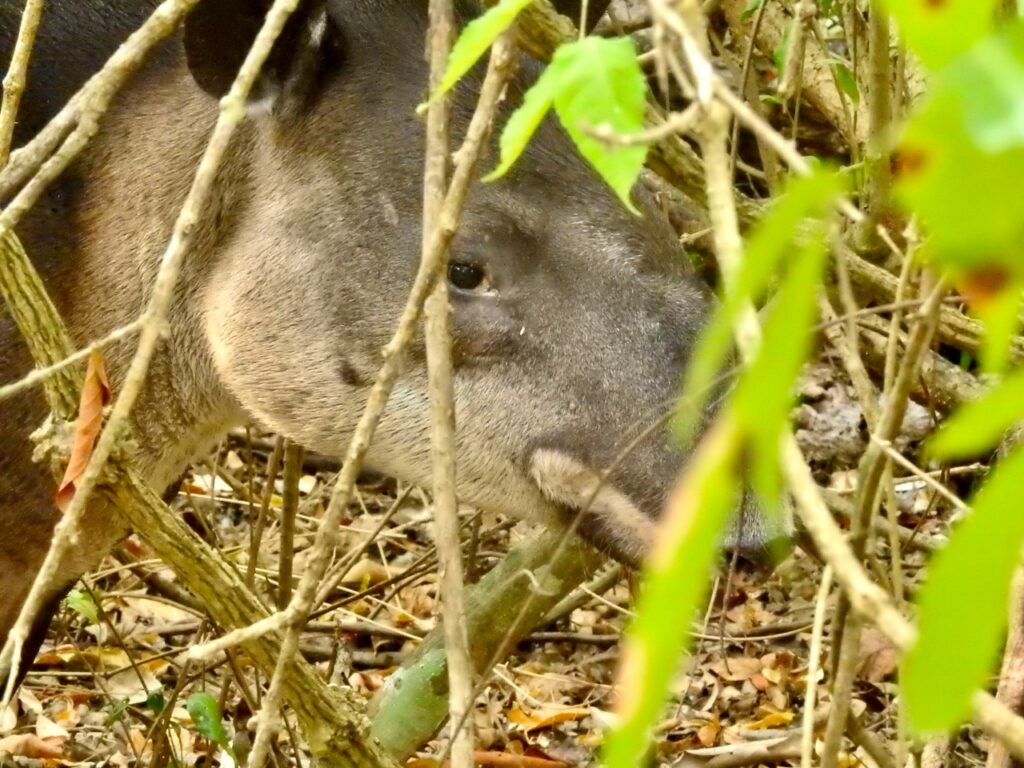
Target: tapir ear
[{"x": 219, "y": 33}]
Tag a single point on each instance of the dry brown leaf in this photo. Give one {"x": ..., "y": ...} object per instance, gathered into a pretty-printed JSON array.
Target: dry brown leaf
[
  {"x": 511, "y": 760},
  {"x": 30, "y": 745},
  {"x": 95, "y": 395},
  {"x": 545, "y": 718},
  {"x": 707, "y": 734},
  {"x": 770, "y": 720},
  {"x": 47, "y": 729},
  {"x": 879, "y": 659},
  {"x": 736, "y": 668}
]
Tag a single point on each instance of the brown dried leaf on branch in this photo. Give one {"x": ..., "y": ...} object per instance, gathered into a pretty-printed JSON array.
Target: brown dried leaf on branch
[{"x": 95, "y": 396}]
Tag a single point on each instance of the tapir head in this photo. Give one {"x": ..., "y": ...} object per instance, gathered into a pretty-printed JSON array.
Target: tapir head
[{"x": 573, "y": 319}]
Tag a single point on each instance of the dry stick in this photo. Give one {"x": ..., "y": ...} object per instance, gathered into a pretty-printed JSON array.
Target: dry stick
[
  {"x": 1011, "y": 673},
  {"x": 814, "y": 668},
  {"x": 872, "y": 468},
  {"x": 427, "y": 275},
  {"x": 879, "y": 101},
  {"x": 441, "y": 392},
  {"x": 14, "y": 81},
  {"x": 154, "y": 321},
  {"x": 82, "y": 113},
  {"x": 842, "y": 689},
  {"x": 793, "y": 66},
  {"x": 289, "y": 509},
  {"x": 841, "y": 340}
]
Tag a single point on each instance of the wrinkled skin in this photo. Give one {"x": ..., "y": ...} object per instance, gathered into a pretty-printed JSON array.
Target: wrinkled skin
[{"x": 573, "y": 343}]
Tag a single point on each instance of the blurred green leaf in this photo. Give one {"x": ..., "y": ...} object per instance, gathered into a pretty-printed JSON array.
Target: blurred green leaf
[
  {"x": 977, "y": 426},
  {"x": 763, "y": 395},
  {"x": 208, "y": 720},
  {"x": 476, "y": 37},
  {"x": 1001, "y": 316},
  {"x": 966, "y": 196},
  {"x": 593, "y": 82},
  {"x": 750, "y": 9},
  {"x": 117, "y": 710},
  {"x": 676, "y": 578},
  {"x": 81, "y": 602},
  {"x": 156, "y": 702},
  {"x": 963, "y": 605},
  {"x": 938, "y": 32},
  {"x": 767, "y": 245},
  {"x": 845, "y": 80},
  {"x": 988, "y": 81}
]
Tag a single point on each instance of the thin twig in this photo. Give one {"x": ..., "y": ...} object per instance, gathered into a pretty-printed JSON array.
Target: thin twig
[
  {"x": 441, "y": 393},
  {"x": 814, "y": 669},
  {"x": 14, "y": 80},
  {"x": 39, "y": 375}
]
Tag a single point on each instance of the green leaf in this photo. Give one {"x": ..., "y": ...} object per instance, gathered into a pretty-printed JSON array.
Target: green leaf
[
  {"x": 988, "y": 82},
  {"x": 764, "y": 394},
  {"x": 676, "y": 580},
  {"x": 977, "y": 426},
  {"x": 590, "y": 82},
  {"x": 768, "y": 243},
  {"x": 938, "y": 32},
  {"x": 963, "y": 605},
  {"x": 156, "y": 702},
  {"x": 206, "y": 716},
  {"x": 476, "y": 38},
  {"x": 845, "y": 80},
  {"x": 603, "y": 85},
  {"x": 750, "y": 9},
  {"x": 117, "y": 711},
  {"x": 1001, "y": 317},
  {"x": 526, "y": 119},
  {"x": 82, "y": 603},
  {"x": 965, "y": 195}
]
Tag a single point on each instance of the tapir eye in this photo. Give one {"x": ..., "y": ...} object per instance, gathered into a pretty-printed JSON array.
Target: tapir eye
[{"x": 465, "y": 276}]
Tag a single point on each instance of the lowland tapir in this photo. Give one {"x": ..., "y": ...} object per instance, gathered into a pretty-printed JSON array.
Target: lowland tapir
[{"x": 573, "y": 318}]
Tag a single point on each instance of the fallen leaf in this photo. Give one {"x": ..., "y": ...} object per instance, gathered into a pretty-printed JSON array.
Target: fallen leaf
[
  {"x": 30, "y": 745},
  {"x": 47, "y": 729},
  {"x": 879, "y": 659},
  {"x": 95, "y": 395},
  {"x": 545, "y": 718},
  {"x": 707, "y": 734},
  {"x": 736, "y": 668},
  {"x": 511, "y": 760},
  {"x": 770, "y": 720}
]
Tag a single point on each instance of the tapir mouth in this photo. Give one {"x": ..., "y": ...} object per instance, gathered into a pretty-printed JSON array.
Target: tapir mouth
[
  {"x": 602, "y": 514},
  {"x": 611, "y": 521}
]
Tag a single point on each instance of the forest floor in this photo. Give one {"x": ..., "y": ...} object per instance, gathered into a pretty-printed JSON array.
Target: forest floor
[{"x": 109, "y": 687}]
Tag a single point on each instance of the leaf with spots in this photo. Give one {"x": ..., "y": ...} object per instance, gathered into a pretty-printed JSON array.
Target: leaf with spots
[{"x": 95, "y": 395}]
